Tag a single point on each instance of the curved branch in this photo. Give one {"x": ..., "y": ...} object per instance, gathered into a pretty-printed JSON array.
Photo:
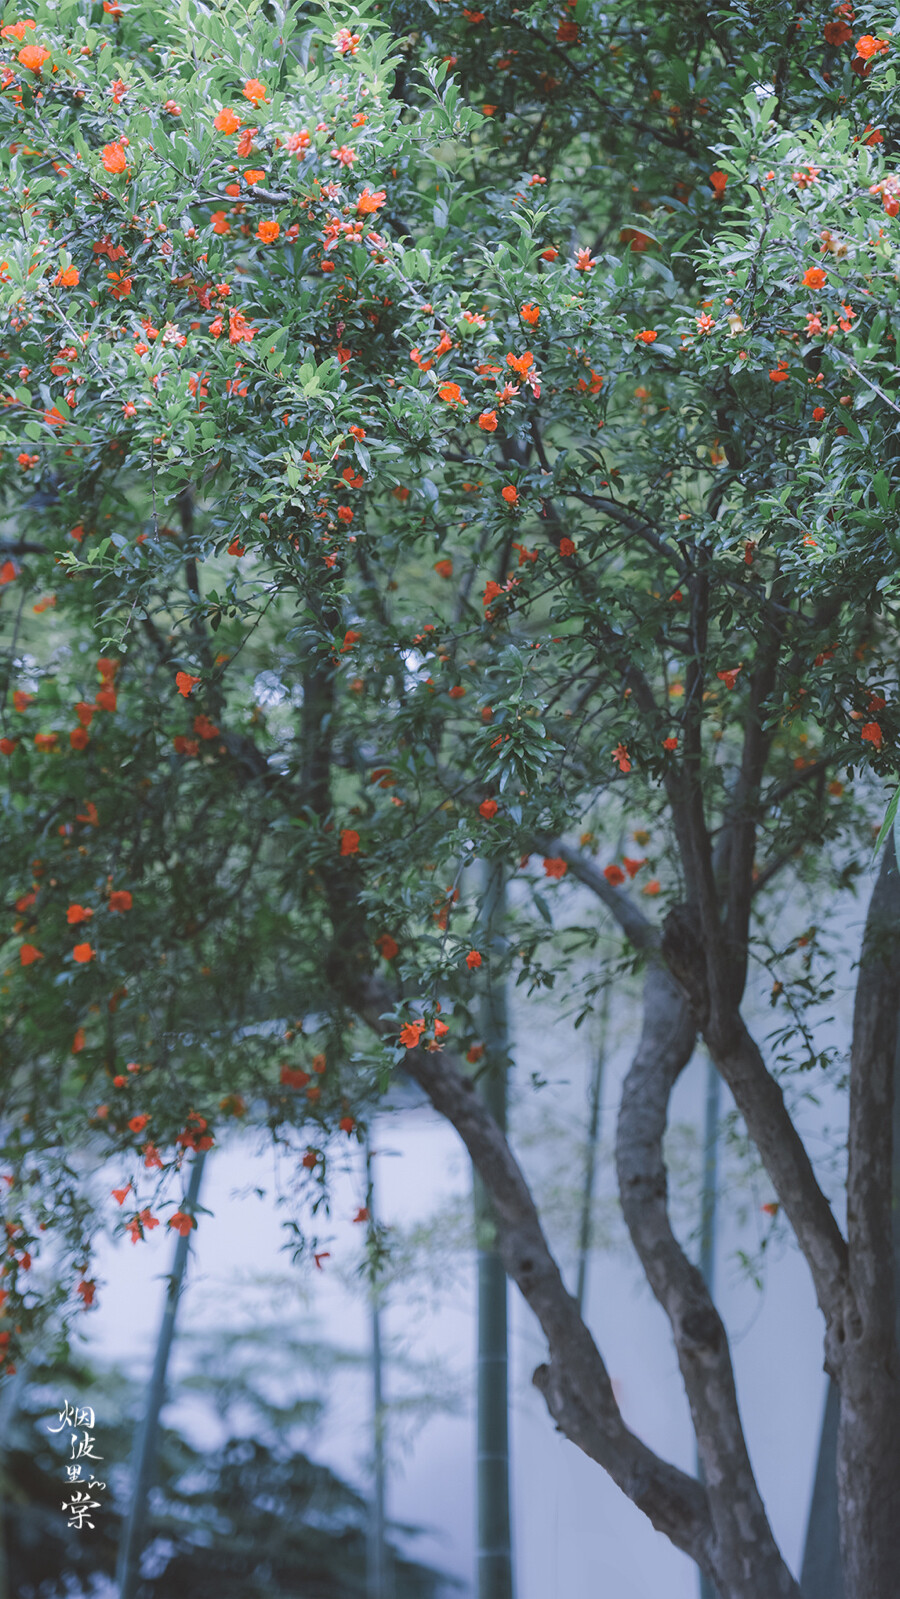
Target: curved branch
[
  {"x": 744, "y": 1540},
  {"x": 756, "y": 1093},
  {"x": 575, "y": 1384},
  {"x": 637, "y": 927}
]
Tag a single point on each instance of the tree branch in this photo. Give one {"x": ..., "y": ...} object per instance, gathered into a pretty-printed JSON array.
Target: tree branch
[
  {"x": 761, "y": 1103},
  {"x": 576, "y": 1383},
  {"x": 744, "y": 1539},
  {"x": 637, "y": 927}
]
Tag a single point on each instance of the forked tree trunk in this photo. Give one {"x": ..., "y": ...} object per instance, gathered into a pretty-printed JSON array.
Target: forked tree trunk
[{"x": 722, "y": 1524}]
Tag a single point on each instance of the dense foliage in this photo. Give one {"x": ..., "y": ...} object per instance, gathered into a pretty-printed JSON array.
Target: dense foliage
[{"x": 429, "y": 436}]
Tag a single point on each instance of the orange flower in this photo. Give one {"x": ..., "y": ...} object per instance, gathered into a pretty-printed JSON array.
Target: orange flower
[
  {"x": 388, "y": 946},
  {"x": 113, "y": 158},
  {"x": 120, "y": 900},
  {"x": 444, "y": 568},
  {"x": 411, "y": 1033},
  {"x": 82, "y": 953},
  {"x": 647, "y": 336},
  {"x": 621, "y": 758},
  {"x": 813, "y": 278},
  {"x": 254, "y": 91},
  {"x": 268, "y": 232},
  {"x": 78, "y": 1043},
  {"x": 107, "y": 668},
  {"x": 106, "y": 698},
  {"x": 28, "y": 954},
  {"x": 182, "y": 1222},
  {"x": 555, "y": 866},
  {"x": 614, "y": 875},
  {"x": 368, "y": 203},
  {"x": 67, "y": 278},
  {"x": 21, "y": 700},
  {"x": 33, "y": 57},
  {"x": 46, "y": 741},
  {"x": 488, "y": 421},
  {"x": 226, "y": 120},
  {"x": 78, "y": 913},
  {"x": 488, "y": 809},
  {"x": 185, "y": 683},
  {"x": 220, "y": 223},
  {"x": 871, "y": 734},
  {"x": 254, "y": 175},
  {"x": 509, "y": 494},
  {"x": 7, "y": 745},
  {"x": 651, "y": 888},
  {"x": 205, "y": 728},
  {"x": 866, "y": 47},
  {"x": 451, "y": 394},
  {"x": 584, "y": 261},
  {"x": 8, "y": 572},
  {"x": 718, "y": 181},
  {"x": 530, "y": 314},
  {"x": 291, "y": 1077},
  {"x": 730, "y": 677},
  {"x": 119, "y": 285},
  {"x": 632, "y": 867},
  {"x": 473, "y": 960},
  {"x": 520, "y": 363},
  {"x": 349, "y": 841},
  {"x": 566, "y": 547},
  {"x": 457, "y": 692}
]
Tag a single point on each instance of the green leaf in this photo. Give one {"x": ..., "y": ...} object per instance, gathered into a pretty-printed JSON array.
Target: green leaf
[{"x": 889, "y": 822}]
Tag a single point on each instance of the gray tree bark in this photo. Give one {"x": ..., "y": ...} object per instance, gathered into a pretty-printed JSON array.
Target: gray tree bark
[
  {"x": 862, "y": 1346},
  {"x": 747, "y": 1560}
]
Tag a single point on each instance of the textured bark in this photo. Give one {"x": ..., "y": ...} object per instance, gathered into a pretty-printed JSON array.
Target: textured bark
[
  {"x": 575, "y": 1383},
  {"x": 747, "y": 1561},
  {"x": 863, "y": 1350}
]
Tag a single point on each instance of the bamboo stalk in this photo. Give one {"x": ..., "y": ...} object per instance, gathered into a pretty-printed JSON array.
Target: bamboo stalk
[
  {"x": 144, "y": 1459},
  {"x": 708, "y": 1206},
  {"x": 378, "y": 1574},
  {"x": 590, "y": 1160},
  {"x": 495, "y": 1566}
]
